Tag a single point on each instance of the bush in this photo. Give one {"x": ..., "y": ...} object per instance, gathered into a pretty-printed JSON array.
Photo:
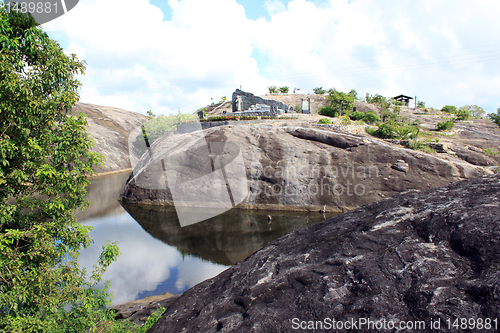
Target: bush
[
  {"x": 393, "y": 130},
  {"x": 419, "y": 145},
  {"x": 284, "y": 90},
  {"x": 495, "y": 117},
  {"x": 319, "y": 91},
  {"x": 449, "y": 109},
  {"x": 462, "y": 114},
  {"x": 272, "y": 89},
  {"x": 345, "y": 120},
  {"x": 367, "y": 117},
  {"x": 328, "y": 111},
  {"x": 445, "y": 125},
  {"x": 324, "y": 121}
]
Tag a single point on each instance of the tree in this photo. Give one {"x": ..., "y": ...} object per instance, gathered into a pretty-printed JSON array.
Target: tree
[
  {"x": 340, "y": 101},
  {"x": 354, "y": 94},
  {"x": 44, "y": 167},
  {"x": 319, "y": 91},
  {"x": 272, "y": 89},
  {"x": 284, "y": 90},
  {"x": 474, "y": 111},
  {"x": 495, "y": 117},
  {"x": 449, "y": 109},
  {"x": 462, "y": 114}
]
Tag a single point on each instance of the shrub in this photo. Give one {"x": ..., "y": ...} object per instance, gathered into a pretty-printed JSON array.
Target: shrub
[
  {"x": 462, "y": 114},
  {"x": 272, "y": 89},
  {"x": 419, "y": 145},
  {"x": 368, "y": 117},
  {"x": 298, "y": 108},
  {"x": 324, "y": 121},
  {"x": 449, "y": 109},
  {"x": 284, "y": 90},
  {"x": 445, "y": 125},
  {"x": 319, "y": 91},
  {"x": 345, "y": 120},
  {"x": 495, "y": 117},
  {"x": 328, "y": 111},
  {"x": 393, "y": 130}
]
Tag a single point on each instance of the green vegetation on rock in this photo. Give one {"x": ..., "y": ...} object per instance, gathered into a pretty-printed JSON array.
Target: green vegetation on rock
[
  {"x": 495, "y": 117},
  {"x": 445, "y": 125},
  {"x": 156, "y": 127}
]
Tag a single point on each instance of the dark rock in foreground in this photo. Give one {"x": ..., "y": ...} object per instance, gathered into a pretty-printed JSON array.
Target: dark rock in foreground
[{"x": 425, "y": 256}]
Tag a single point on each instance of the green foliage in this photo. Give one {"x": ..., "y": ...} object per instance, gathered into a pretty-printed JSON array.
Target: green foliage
[
  {"x": 156, "y": 127},
  {"x": 324, "y": 121},
  {"x": 298, "y": 108},
  {"x": 419, "y": 145},
  {"x": 319, "y": 91},
  {"x": 340, "y": 101},
  {"x": 495, "y": 117},
  {"x": 367, "y": 117},
  {"x": 375, "y": 99},
  {"x": 449, "y": 109},
  {"x": 272, "y": 89},
  {"x": 489, "y": 151},
  {"x": 462, "y": 114},
  {"x": 223, "y": 98},
  {"x": 284, "y": 90},
  {"x": 421, "y": 105},
  {"x": 445, "y": 125},
  {"x": 474, "y": 111},
  {"x": 354, "y": 94},
  {"x": 328, "y": 111},
  {"x": 345, "y": 120},
  {"x": 45, "y": 164},
  {"x": 393, "y": 130}
]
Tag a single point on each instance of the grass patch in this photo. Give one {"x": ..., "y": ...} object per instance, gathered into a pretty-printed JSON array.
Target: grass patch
[{"x": 490, "y": 152}]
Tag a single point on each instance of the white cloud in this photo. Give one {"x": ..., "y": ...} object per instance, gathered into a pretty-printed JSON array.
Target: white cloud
[
  {"x": 446, "y": 54},
  {"x": 274, "y": 6},
  {"x": 145, "y": 262}
]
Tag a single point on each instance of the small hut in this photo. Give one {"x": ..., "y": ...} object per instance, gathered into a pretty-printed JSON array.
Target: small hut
[{"x": 403, "y": 98}]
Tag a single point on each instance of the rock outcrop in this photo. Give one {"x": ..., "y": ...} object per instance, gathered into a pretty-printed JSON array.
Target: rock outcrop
[
  {"x": 248, "y": 99},
  {"x": 110, "y": 128},
  {"x": 417, "y": 258},
  {"x": 291, "y": 168}
]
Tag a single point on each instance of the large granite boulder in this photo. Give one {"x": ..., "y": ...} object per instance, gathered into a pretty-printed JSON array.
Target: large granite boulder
[
  {"x": 419, "y": 259},
  {"x": 289, "y": 168},
  {"x": 249, "y": 99},
  {"x": 110, "y": 128}
]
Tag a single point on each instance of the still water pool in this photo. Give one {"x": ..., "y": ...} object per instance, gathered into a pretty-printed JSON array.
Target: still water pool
[{"x": 158, "y": 255}]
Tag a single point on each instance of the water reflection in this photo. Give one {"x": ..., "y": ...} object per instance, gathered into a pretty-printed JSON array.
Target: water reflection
[
  {"x": 225, "y": 239},
  {"x": 158, "y": 255}
]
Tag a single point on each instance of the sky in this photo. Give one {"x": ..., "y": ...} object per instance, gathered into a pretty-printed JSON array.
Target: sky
[{"x": 180, "y": 55}]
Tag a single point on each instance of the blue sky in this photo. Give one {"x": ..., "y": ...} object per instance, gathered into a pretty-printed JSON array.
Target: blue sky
[{"x": 163, "y": 55}]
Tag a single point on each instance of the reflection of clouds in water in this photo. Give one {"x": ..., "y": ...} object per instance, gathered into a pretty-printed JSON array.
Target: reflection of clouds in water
[
  {"x": 192, "y": 271},
  {"x": 144, "y": 262}
]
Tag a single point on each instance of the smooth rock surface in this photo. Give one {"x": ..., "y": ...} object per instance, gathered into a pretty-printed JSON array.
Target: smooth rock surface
[
  {"x": 420, "y": 255},
  {"x": 292, "y": 168},
  {"x": 110, "y": 128}
]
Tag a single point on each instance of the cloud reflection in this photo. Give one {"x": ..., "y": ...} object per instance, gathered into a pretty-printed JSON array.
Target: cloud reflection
[{"x": 145, "y": 263}]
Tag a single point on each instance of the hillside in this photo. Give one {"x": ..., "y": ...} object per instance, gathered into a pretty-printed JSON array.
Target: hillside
[{"x": 110, "y": 128}]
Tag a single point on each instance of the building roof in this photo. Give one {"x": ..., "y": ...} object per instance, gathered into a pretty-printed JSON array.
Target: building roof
[{"x": 402, "y": 97}]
